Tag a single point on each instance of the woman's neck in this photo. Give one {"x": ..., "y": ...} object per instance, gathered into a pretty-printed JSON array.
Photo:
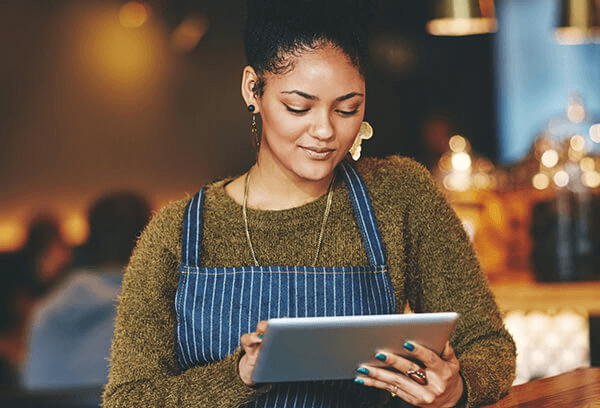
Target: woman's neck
[
  {"x": 273, "y": 189},
  {"x": 279, "y": 190}
]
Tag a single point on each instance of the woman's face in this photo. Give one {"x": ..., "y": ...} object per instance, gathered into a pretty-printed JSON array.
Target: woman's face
[{"x": 311, "y": 114}]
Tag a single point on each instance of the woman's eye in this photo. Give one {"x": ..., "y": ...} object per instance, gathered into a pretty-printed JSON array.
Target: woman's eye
[
  {"x": 348, "y": 113},
  {"x": 297, "y": 111}
]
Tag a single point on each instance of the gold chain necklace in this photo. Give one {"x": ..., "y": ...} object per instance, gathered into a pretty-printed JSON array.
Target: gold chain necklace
[{"x": 325, "y": 215}]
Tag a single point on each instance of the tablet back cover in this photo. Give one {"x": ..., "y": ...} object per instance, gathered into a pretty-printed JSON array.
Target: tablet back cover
[{"x": 329, "y": 348}]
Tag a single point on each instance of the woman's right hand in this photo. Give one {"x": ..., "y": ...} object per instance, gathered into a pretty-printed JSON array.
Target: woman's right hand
[{"x": 251, "y": 344}]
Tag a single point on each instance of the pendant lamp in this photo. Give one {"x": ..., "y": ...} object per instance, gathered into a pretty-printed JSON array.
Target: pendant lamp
[
  {"x": 462, "y": 17},
  {"x": 579, "y": 22}
]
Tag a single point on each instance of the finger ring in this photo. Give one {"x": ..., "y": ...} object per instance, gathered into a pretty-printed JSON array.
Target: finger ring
[
  {"x": 419, "y": 376},
  {"x": 394, "y": 391}
]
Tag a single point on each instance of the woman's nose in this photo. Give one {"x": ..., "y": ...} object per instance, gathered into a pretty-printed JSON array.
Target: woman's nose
[{"x": 322, "y": 128}]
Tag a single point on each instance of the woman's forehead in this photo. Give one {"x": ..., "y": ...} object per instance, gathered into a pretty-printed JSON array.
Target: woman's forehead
[{"x": 323, "y": 69}]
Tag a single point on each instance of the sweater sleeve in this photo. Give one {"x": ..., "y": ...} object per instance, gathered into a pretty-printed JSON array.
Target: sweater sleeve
[
  {"x": 443, "y": 274},
  {"x": 143, "y": 367}
]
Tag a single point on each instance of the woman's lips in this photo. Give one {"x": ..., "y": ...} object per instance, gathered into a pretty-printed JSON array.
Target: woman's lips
[{"x": 317, "y": 153}]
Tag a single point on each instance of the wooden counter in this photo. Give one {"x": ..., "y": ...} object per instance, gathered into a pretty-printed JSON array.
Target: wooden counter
[{"x": 575, "y": 389}]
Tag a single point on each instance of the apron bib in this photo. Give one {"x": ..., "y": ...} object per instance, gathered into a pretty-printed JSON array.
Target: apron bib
[{"x": 216, "y": 306}]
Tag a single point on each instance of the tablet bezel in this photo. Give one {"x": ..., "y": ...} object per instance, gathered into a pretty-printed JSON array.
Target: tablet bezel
[{"x": 332, "y": 348}]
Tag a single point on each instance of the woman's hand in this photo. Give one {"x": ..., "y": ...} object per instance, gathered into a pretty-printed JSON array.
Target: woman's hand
[
  {"x": 442, "y": 385},
  {"x": 251, "y": 344}
]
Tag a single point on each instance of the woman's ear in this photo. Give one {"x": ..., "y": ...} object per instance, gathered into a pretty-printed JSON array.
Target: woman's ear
[{"x": 249, "y": 83}]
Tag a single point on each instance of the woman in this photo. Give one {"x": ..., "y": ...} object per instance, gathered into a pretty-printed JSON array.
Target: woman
[{"x": 208, "y": 271}]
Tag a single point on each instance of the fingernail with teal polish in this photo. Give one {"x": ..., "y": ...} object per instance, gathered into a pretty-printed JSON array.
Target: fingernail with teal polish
[
  {"x": 363, "y": 370},
  {"x": 381, "y": 357},
  {"x": 359, "y": 381},
  {"x": 260, "y": 336},
  {"x": 409, "y": 346}
]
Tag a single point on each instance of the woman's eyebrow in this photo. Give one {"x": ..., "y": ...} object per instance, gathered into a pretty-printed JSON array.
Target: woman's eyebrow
[
  {"x": 316, "y": 98},
  {"x": 348, "y": 96},
  {"x": 302, "y": 94}
]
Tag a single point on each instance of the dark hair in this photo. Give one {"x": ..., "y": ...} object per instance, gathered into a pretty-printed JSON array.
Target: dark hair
[
  {"x": 116, "y": 220},
  {"x": 277, "y": 30}
]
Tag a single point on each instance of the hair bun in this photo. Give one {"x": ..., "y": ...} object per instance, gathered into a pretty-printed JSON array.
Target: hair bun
[
  {"x": 312, "y": 12},
  {"x": 276, "y": 29}
]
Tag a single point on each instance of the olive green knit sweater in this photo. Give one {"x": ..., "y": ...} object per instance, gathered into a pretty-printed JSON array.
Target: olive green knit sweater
[{"x": 431, "y": 263}]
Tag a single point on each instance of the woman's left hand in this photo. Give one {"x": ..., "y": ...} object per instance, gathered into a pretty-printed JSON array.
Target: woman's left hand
[{"x": 442, "y": 385}]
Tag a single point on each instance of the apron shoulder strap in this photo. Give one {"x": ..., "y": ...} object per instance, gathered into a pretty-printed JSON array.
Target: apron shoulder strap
[
  {"x": 192, "y": 221},
  {"x": 192, "y": 231},
  {"x": 364, "y": 214}
]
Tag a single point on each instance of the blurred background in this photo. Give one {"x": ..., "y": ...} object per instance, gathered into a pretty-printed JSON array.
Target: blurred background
[{"x": 500, "y": 100}]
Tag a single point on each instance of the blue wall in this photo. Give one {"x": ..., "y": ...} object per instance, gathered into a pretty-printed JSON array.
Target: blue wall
[{"x": 536, "y": 76}]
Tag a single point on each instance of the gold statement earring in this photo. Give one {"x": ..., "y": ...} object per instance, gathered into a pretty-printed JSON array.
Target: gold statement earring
[
  {"x": 253, "y": 129},
  {"x": 365, "y": 133}
]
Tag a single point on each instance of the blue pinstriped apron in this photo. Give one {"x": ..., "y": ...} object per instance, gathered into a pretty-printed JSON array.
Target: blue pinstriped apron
[{"x": 216, "y": 306}]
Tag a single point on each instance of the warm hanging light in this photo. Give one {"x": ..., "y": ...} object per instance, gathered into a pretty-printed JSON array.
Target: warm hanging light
[
  {"x": 579, "y": 22},
  {"x": 462, "y": 17}
]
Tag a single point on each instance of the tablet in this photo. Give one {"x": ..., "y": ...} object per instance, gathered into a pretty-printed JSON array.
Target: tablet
[{"x": 332, "y": 348}]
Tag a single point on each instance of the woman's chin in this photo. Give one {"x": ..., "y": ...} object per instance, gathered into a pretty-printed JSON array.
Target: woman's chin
[{"x": 316, "y": 172}]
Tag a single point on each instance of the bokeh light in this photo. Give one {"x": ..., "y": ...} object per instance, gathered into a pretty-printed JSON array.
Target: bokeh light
[
  {"x": 461, "y": 161},
  {"x": 75, "y": 228},
  {"x": 133, "y": 14},
  {"x": 576, "y": 112},
  {"x": 541, "y": 181},
  {"x": 458, "y": 144},
  {"x": 570, "y": 36},
  {"x": 457, "y": 182},
  {"x": 189, "y": 33},
  {"x": 550, "y": 158},
  {"x": 484, "y": 165},
  {"x": 577, "y": 143},
  {"x": 548, "y": 343},
  {"x": 114, "y": 61},
  {"x": 445, "y": 163},
  {"x": 587, "y": 164},
  {"x": 561, "y": 178},
  {"x": 13, "y": 233},
  {"x": 595, "y": 132},
  {"x": 482, "y": 181},
  {"x": 591, "y": 179},
  {"x": 461, "y": 26},
  {"x": 575, "y": 155}
]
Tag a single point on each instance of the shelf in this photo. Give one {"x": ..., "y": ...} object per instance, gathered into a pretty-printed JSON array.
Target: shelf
[{"x": 526, "y": 295}]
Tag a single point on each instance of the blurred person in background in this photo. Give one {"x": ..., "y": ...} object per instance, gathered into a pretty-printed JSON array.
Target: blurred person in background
[
  {"x": 7, "y": 322},
  {"x": 47, "y": 256},
  {"x": 71, "y": 329},
  {"x": 25, "y": 277}
]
